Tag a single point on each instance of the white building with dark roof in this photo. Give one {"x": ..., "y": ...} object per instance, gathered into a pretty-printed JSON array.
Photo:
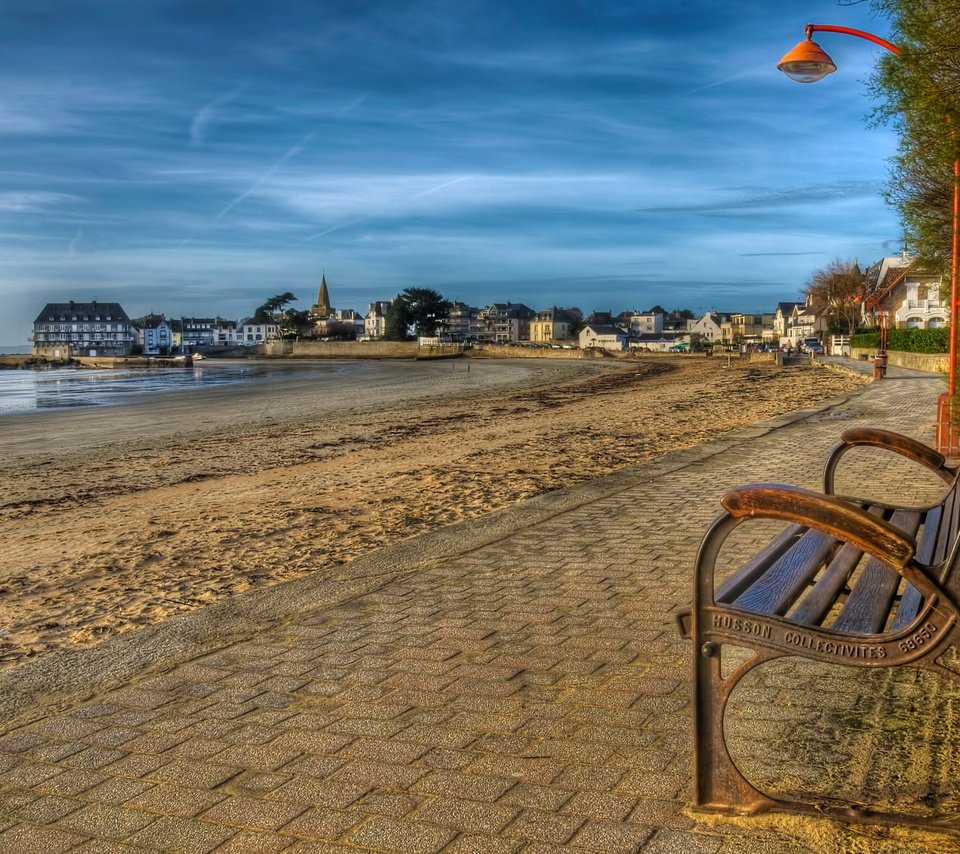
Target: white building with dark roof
[{"x": 67, "y": 329}]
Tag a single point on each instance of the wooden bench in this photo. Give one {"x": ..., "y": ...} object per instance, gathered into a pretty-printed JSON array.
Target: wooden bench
[{"x": 847, "y": 581}]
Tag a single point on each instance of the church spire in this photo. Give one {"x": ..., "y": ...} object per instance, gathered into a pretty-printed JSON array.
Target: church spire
[{"x": 323, "y": 308}]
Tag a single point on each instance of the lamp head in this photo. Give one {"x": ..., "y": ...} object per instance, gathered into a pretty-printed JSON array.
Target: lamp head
[{"x": 807, "y": 62}]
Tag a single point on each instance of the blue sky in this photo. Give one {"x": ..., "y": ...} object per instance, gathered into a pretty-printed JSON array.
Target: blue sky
[{"x": 199, "y": 156}]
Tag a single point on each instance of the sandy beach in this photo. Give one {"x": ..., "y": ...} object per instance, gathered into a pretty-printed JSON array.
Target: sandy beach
[{"x": 114, "y": 518}]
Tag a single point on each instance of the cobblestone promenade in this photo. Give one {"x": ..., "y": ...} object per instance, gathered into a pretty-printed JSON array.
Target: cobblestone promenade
[{"x": 511, "y": 684}]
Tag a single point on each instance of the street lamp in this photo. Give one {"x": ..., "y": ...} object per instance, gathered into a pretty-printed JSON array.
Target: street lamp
[{"x": 808, "y": 63}]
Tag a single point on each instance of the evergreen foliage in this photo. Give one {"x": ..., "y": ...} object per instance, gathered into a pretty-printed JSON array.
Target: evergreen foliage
[{"x": 416, "y": 310}]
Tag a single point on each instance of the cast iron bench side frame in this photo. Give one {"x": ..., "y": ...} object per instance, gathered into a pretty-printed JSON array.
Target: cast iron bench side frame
[{"x": 918, "y": 640}]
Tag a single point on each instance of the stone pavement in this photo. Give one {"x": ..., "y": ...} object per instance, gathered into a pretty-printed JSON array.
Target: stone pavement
[{"x": 510, "y": 684}]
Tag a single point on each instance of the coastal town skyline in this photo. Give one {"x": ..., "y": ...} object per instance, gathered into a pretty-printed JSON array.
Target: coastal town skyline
[{"x": 562, "y": 154}]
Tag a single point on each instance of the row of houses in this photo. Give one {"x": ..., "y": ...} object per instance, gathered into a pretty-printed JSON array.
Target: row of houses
[
  {"x": 894, "y": 287},
  {"x": 63, "y": 330}
]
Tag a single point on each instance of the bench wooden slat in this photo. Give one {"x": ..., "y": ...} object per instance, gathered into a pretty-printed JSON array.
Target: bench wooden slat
[
  {"x": 869, "y": 604},
  {"x": 732, "y": 587},
  {"x": 818, "y": 602},
  {"x": 948, "y": 528},
  {"x": 820, "y": 599},
  {"x": 779, "y": 588},
  {"x": 912, "y": 599}
]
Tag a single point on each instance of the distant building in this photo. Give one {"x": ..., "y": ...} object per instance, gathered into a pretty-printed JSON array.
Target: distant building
[
  {"x": 781, "y": 322},
  {"x": 196, "y": 333},
  {"x": 155, "y": 335},
  {"x": 554, "y": 325},
  {"x": 375, "y": 320},
  {"x": 321, "y": 309},
  {"x": 463, "y": 323},
  {"x": 603, "y": 337},
  {"x": 710, "y": 327},
  {"x": 225, "y": 333},
  {"x": 506, "y": 322},
  {"x": 66, "y": 329},
  {"x": 909, "y": 295},
  {"x": 253, "y": 331},
  {"x": 642, "y": 323}
]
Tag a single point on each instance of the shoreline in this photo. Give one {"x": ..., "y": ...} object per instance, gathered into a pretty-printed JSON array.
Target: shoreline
[{"x": 110, "y": 524}]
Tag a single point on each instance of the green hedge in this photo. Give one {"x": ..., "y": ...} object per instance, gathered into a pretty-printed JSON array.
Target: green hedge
[{"x": 907, "y": 340}]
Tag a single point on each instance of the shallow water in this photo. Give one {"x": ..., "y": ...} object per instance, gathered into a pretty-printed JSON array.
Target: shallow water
[{"x": 63, "y": 388}]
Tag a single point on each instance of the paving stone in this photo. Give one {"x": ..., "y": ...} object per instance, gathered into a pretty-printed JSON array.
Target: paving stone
[
  {"x": 252, "y": 813},
  {"x": 105, "y": 820},
  {"x": 70, "y": 782},
  {"x": 33, "y": 839},
  {"x": 323, "y": 823},
  {"x": 612, "y": 836},
  {"x": 407, "y": 837},
  {"x": 539, "y": 826},
  {"x": 186, "y": 835},
  {"x": 205, "y": 775},
  {"x": 254, "y": 842},
  {"x": 94, "y": 757},
  {"x": 47, "y": 809},
  {"x": 165, "y": 799}
]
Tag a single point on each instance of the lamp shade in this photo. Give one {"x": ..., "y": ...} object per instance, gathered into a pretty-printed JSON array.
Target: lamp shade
[{"x": 807, "y": 63}]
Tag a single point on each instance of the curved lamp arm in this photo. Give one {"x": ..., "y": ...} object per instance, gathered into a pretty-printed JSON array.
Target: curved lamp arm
[{"x": 860, "y": 34}]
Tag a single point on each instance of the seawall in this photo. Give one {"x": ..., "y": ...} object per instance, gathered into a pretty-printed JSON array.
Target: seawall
[{"x": 931, "y": 362}]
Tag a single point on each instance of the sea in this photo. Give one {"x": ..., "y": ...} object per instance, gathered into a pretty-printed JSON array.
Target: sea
[{"x": 38, "y": 390}]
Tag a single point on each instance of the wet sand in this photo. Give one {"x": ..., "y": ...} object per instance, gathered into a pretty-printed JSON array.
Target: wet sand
[{"x": 118, "y": 517}]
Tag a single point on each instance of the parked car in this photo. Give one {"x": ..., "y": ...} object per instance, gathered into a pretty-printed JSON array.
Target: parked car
[{"x": 812, "y": 346}]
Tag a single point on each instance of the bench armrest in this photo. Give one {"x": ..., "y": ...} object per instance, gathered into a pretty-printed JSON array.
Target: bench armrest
[
  {"x": 837, "y": 517},
  {"x": 888, "y": 441}
]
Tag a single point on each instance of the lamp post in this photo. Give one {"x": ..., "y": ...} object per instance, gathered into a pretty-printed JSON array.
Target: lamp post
[{"x": 808, "y": 63}]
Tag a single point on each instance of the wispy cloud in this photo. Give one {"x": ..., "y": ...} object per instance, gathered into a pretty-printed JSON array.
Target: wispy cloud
[
  {"x": 210, "y": 113},
  {"x": 35, "y": 202},
  {"x": 266, "y": 176}
]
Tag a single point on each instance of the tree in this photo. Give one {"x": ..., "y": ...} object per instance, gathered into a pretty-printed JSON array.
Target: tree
[
  {"x": 396, "y": 322},
  {"x": 838, "y": 288},
  {"x": 422, "y": 310},
  {"x": 288, "y": 321},
  {"x": 919, "y": 93}
]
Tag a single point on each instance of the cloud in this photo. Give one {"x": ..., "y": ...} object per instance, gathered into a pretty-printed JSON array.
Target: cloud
[
  {"x": 34, "y": 202},
  {"x": 210, "y": 113},
  {"x": 759, "y": 199},
  {"x": 287, "y": 155}
]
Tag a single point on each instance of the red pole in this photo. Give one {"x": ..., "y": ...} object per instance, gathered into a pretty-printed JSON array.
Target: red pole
[{"x": 954, "y": 261}]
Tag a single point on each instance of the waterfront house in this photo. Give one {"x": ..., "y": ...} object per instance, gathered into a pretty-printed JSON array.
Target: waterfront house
[
  {"x": 553, "y": 326},
  {"x": 155, "y": 335},
  {"x": 197, "y": 333},
  {"x": 462, "y": 323},
  {"x": 67, "y": 329},
  {"x": 807, "y": 321},
  {"x": 709, "y": 328},
  {"x": 908, "y": 294},
  {"x": 506, "y": 322},
  {"x": 225, "y": 333},
  {"x": 781, "y": 322},
  {"x": 600, "y": 336},
  {"x": 375, "y": 320},
  {"x": 642, "y": 323},
  {"x": 750, "y": 328},
  {"x": 658, "y": 342},
  {"x": 253, "y": 331}
]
